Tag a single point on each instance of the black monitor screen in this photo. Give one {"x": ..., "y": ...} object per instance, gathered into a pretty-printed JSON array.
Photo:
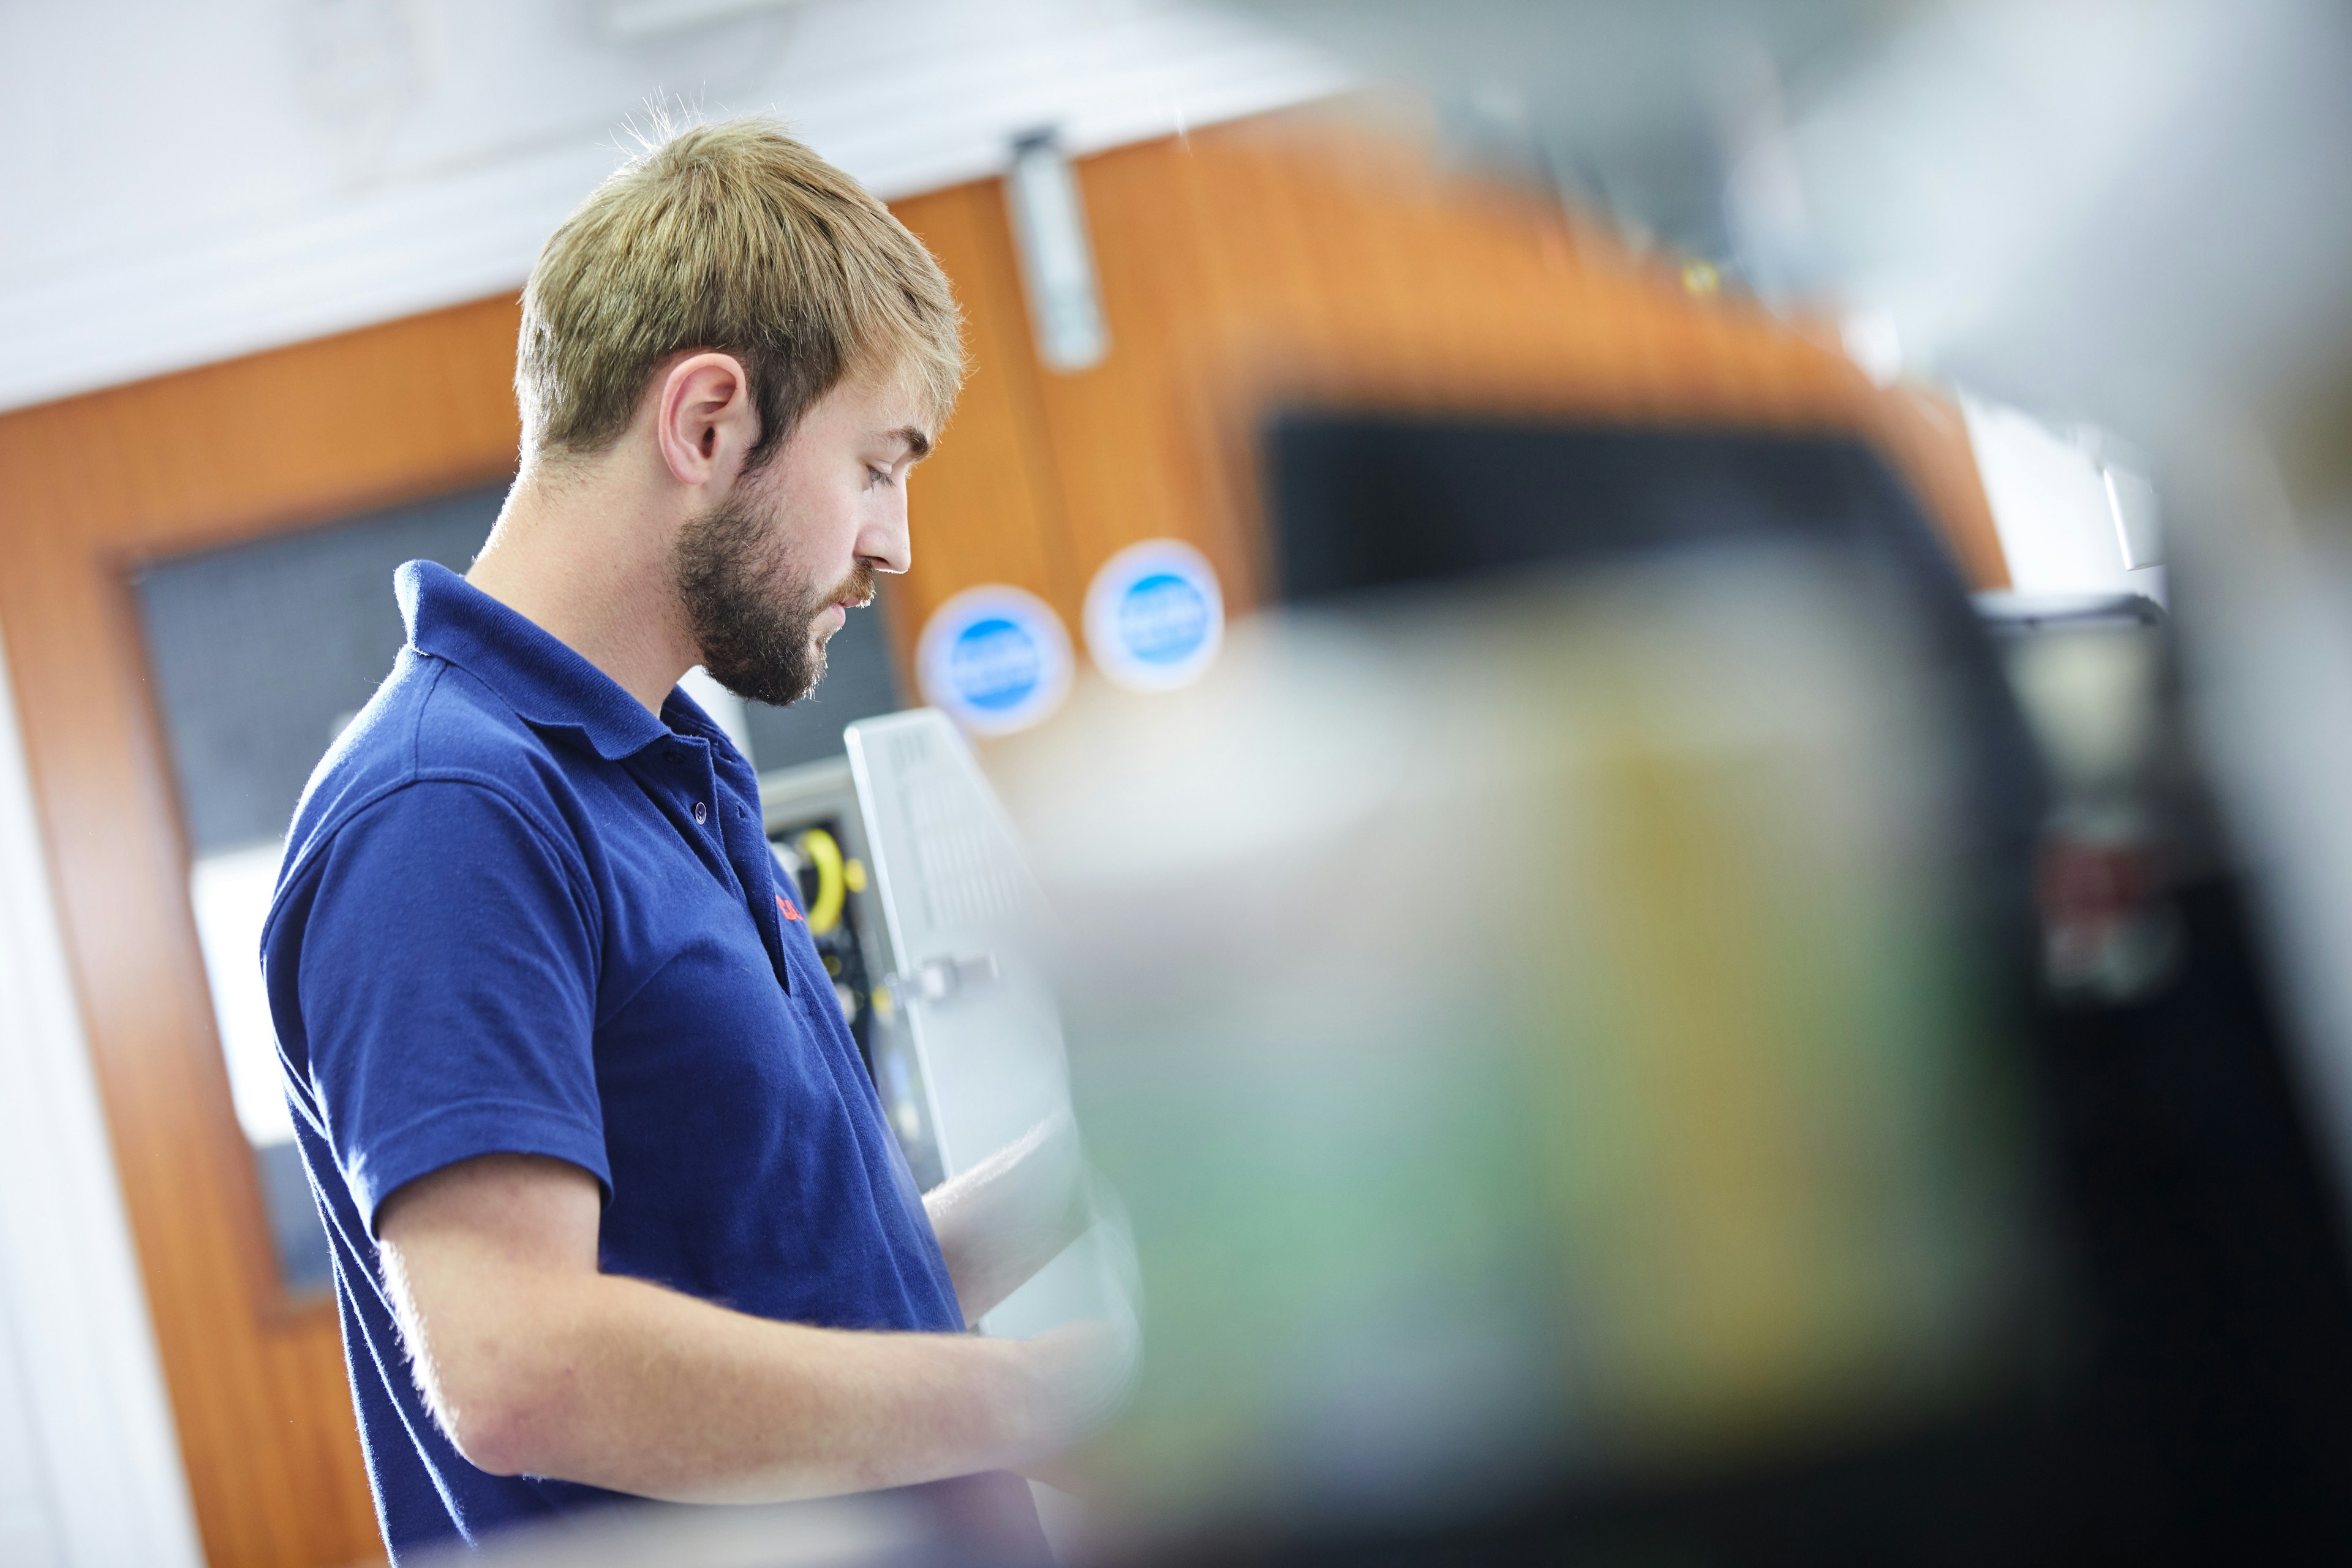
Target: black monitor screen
[{"x": 1382, "y": 502}]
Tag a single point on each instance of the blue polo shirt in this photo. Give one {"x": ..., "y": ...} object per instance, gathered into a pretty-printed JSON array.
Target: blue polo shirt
[{"x": 519, "y": 914}]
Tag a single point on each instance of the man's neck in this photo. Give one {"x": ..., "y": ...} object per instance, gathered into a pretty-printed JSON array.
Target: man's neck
[{"x": 586, "y": 560}]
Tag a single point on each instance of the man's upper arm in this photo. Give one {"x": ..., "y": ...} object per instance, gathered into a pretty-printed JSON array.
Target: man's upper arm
[
  {"x": 509, "y": 1211},
  {"x": 486, "y": 1262},
  {"x": 443, "y": 974}
]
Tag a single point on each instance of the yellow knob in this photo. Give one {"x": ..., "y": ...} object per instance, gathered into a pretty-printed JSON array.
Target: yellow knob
[{"x": 820, "y": 850}]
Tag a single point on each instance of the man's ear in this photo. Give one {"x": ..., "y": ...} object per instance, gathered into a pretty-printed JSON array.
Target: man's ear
[{"x": 705, "y": 423}]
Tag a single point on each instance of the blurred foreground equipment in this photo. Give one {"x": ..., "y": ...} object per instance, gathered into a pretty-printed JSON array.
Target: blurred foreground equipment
[
  {"x": 2131, "y": 216},
  {"x": 1635, "y": 1024},
  {"x": 1544, "y": 1041}
]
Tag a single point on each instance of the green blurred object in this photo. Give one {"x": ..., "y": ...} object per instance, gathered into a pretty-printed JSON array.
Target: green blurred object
[{"x": 1595, "y": 1087}]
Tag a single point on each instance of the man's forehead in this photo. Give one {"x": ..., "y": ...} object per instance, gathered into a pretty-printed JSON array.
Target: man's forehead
[
  {"x": 908, "y": 416},
  {"x": 889, "y": 411}
]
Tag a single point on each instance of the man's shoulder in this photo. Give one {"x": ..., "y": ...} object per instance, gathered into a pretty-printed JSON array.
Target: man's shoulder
[{"x": 431, "y": 723}]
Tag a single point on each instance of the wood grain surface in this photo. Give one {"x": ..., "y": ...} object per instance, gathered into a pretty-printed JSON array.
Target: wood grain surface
[{"x": 91, "y": 487}]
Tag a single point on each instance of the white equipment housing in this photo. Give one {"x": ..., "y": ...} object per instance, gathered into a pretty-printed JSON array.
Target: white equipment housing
[{"x": 964, "y": 915}]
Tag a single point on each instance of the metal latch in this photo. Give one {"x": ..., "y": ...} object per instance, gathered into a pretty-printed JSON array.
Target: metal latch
[{"x": 937, "y": 979}]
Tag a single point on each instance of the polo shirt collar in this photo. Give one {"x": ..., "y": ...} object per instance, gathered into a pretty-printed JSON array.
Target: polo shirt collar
[{"x": 546, "y": 682}]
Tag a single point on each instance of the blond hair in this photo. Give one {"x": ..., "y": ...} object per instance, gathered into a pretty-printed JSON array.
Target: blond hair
[{"x": 733, "y": 236}]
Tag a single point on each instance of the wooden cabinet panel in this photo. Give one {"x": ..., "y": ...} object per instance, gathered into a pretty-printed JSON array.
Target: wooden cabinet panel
[
  {"x": 93, "y": 486},
  {"x": 1296, "y": 258},
  {"x": 984, "y": 507}
]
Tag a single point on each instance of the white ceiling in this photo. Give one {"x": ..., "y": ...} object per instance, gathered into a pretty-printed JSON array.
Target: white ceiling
[{"x": 182, "y": 184}]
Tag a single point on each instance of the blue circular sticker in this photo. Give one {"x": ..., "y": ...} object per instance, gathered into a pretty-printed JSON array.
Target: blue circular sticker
[
  {"x": 994, "y": 660},
  {"x": 1155, "y": 617}
]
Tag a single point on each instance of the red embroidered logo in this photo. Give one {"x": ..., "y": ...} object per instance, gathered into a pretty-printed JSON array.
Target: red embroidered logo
[{"x": 785, "y": 904}]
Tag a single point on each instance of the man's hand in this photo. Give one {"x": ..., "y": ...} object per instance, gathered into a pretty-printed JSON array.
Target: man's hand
[
  {"x": 1006, "y": 1217},
  {"x": 534, "y": 1363}
]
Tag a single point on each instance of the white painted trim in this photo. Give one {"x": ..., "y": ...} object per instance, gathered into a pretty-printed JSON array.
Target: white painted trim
[
  {"x": 466, "y": 236},
  {"x": 74, "y": 1298}
]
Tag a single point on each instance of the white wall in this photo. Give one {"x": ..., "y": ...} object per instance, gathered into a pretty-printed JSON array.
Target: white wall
[
  {"x": 184, "y": 184},
  {"x": 89, "y": 1467},
  {"x": 2065, "y": 520},
  {"x": 28, "y": 1529}
]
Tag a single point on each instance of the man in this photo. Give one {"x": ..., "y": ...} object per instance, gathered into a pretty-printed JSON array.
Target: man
[{"x": 613, "y": 1204}]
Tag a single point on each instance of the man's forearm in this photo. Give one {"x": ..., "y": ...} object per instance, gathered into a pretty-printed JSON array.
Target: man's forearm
[
  {"x": 1006, "y": 1218},
  {"x": 619, "y": 1383},
  {"x": 534, "y": 1362}
]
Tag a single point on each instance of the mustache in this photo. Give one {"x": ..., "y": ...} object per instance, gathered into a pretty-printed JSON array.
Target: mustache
[{"x": 855, "y": 590}]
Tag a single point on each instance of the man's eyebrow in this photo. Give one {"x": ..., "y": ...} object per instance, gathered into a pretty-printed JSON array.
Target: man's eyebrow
[{"x": 919, "y": 445}]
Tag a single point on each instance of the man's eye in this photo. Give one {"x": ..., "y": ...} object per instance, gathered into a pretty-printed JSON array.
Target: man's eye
[{"x": 879, "y": 476}]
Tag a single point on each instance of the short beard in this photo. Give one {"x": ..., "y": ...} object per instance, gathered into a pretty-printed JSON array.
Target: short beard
[{"x": 753, "y": 616}]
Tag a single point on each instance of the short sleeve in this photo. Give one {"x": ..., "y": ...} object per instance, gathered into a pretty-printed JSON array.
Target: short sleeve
[{"x": 445, "y": 971}]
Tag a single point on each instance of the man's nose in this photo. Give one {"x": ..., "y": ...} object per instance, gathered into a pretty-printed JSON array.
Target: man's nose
[{"x": 885, "y": 544}]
